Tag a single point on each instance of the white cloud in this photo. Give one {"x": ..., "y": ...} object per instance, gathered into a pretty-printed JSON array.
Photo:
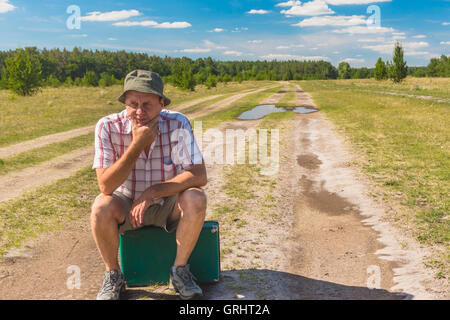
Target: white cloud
[
  {"x": 445, "y": 42},
  {"x": 110, "y": 16},
  {"x": 364, "y": 30},
  {"x": 213, "y": 45},
  {"x": 233, "y": 53},
  {"x": 290, "y": 47},
  {"x": 398, "y": 37},
  {"x": 255, "y": 41},
  {"x": 83, "y": 35},
  {"x": 290, "y": 3},
  {"x": 255, "y": 11},
  {"x": 417, "y": 53},
  {"x": 237, "y": 29},
  {"x": 409, "y": 48},
  {"x": 146, "y": 23},
  {"x": 343, "y": 2},
  {"x": 341, "y": 21},
  {"x": 196, "y": 50},
  {"x": 173, "y": 25},
  {"x": 312, "y": 8},
  {"x": 354, "y": 60},
  {"x": 445, "y": 23},
  {"x": 154, "y": 24},
  {"x": 371, "y": 40},
  {"x": 420, "y": 36},
  {"x": 217, "y": 30},
  {"x": 112, "y": 39},
  {"x": 398, "y": 33},
  {"x": 5, "y": 6},
  {"x": 273, "y": 56}
]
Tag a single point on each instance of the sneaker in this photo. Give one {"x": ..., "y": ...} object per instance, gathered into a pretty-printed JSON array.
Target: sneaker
[
  {"x": 113, "y": 286},
  {"x": 181, "y": 279}
]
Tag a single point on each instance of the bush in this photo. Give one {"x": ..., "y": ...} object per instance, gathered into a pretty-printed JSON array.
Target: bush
[
  {"x": 344, "y": 70},
  {"x": 106, "y": 80},
  {"x": 68, "y": 82},
  {"x": 380, "y": 72},
  {"x": 89, "y": 79},
  {"x": 22, "y": 73},
  {"x": 211, "y": 81},
  {"x": 52, "y": 81}
]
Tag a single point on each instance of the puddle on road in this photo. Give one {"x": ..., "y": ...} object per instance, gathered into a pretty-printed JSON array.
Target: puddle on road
[
  {"x": 261, "y": 111},
  {"x": 309, "y": 161}
]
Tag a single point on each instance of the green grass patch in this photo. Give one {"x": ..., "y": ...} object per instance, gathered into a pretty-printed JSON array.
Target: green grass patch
[{"x": 39, "y": 155}]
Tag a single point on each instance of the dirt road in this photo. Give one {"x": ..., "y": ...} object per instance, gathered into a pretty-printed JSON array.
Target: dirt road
[{"x": 325, "y": 238}]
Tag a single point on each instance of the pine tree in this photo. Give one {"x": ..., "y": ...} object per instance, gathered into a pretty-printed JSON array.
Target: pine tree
[{"x": 399, "y": 69}]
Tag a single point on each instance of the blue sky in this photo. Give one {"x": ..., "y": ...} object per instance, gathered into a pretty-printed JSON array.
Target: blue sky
[{"x": 332, "y": 30}]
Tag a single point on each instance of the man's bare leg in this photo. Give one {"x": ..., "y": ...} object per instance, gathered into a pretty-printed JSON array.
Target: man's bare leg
[
  {"x": 190, "y": 209},
  {"x": 106, "y": 214}
]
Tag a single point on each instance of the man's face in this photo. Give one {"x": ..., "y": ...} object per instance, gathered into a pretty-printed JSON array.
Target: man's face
[{"x": 143, "y": 107}]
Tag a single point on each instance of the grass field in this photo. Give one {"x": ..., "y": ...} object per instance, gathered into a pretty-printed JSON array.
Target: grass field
[{"x": 404, "y": 146}]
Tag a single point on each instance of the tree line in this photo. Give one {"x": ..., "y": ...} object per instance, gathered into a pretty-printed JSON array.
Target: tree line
[{"x": 26, "y": 69}]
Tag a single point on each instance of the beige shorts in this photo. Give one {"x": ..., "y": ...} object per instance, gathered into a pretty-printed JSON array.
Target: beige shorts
[{"x": 156, "y": 215}]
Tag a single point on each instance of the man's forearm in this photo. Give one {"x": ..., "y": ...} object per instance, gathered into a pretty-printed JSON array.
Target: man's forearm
[
  {"x": 116, "y": 174},
  {"x": 183, "y": 181}
]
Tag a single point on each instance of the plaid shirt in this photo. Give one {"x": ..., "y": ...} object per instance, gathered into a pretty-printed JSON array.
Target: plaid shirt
[{"x": 173, "y": 151}]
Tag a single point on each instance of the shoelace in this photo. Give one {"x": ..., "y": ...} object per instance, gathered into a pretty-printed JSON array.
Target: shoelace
[
  {"x": 187, "y": 276},
  {"x": 107, "y": 283}
]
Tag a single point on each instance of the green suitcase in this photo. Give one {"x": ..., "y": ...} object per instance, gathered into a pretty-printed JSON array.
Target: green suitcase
[{"x": 146, "y": 255}]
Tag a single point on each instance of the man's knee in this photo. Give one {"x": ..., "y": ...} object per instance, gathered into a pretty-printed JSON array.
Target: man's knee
[
  {"x": 105, "y": 208},
  {"x": 193, "y": 200}
]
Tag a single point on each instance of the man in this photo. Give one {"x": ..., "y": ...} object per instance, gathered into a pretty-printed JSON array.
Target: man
[{"x": 150, "y": 172}]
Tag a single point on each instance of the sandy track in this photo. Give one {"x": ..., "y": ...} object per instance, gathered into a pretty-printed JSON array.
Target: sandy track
[
  {"x": 226, "y": 102},
  {"x": 401, "y": 94},
  {"x": 43, "y": 141},
  {"x": 15, "y": 183},
  {"x": 303, "y": 99}
]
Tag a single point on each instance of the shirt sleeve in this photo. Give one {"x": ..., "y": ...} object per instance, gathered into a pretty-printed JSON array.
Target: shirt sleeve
[
  {"x": 104, "y": 151},
  {"x": 186, "y": 153}
]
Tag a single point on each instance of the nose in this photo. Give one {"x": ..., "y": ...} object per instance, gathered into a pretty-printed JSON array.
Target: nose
[{"x": 139, "y": 109}]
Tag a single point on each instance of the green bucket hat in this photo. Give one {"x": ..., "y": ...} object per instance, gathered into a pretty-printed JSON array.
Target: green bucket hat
[{"x": 144, "y": 81}]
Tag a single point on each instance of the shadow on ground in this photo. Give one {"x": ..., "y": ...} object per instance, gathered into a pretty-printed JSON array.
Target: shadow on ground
[{"x": 253, "y": 284}]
